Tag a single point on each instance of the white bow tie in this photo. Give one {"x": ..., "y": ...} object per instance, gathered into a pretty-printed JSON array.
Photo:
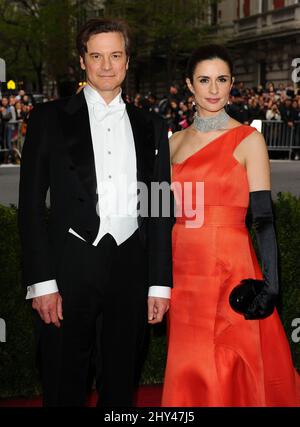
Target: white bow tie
[{"x": 101, "y": 111}]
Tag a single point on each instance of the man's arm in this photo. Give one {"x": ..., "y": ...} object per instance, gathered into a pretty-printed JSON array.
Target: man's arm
[
  {"x": 160, "y": 226},
  {"x": 160, "y": 236},
  {"x": 37, "y": 264},
  {"x": 34, "y": 183}
]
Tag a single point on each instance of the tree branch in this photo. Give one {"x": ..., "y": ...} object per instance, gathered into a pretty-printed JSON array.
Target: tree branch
[
  {"x": 3, "y": 8},
  {"x": 31, "y": 57},
  {"x": 31, "y": 8}
]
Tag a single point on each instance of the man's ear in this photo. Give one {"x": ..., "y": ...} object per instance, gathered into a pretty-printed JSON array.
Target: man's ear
[
  {"x": 82, "y": 64},
  {"x": 190, "y": 86},
  {"x": 127, "y": 63}
]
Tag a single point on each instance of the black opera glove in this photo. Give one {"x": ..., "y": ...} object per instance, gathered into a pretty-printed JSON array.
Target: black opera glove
[{"x": 261, "y": 294}]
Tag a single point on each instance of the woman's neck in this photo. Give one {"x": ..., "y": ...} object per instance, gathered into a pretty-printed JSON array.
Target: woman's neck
[{"x": 205, "y": 114}]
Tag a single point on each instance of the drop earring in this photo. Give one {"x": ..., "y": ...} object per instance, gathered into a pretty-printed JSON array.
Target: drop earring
[{"x": 194, "y": 106}]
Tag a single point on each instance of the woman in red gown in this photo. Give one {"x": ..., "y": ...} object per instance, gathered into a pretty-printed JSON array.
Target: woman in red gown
[{"x": 217, "y": 356}]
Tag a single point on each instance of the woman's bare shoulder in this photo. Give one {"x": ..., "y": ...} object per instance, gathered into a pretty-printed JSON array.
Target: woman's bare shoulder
[
  {"x": 253, "y": 148},
  {"x": 254, "y": 140},
  {"x": 176, "y": 136},
  {"x": 176, "y": 139}
]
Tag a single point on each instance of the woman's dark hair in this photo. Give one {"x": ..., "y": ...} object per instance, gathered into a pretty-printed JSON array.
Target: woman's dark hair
[
  {"x": 97, "y": 26},
  {"x": 211, "y": 51}
]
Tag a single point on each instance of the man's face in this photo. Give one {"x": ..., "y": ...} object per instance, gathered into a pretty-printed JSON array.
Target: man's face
[
  {"x": 4, "y": 102},
  {"x": 105, "y": 62},
  {"x": 173, "y": 90}
]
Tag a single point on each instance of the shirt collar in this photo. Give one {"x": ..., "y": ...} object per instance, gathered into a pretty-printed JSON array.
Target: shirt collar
[{"x": 93, "y": 97}]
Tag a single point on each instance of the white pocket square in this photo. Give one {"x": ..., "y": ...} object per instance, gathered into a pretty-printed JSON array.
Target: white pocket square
[
  {"x": 76, "y": 234},
  {"x": 156, "y": 152}
]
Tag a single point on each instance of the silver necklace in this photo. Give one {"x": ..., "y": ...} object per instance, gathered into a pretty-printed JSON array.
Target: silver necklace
[{"x": 211, "y": 123}]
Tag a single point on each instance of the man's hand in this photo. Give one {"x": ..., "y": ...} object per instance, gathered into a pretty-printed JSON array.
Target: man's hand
[
  {"x": 49, "y": 308},
  {"x": 157, "y": 307}
]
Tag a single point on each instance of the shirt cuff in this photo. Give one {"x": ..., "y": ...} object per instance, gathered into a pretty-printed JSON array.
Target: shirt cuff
[
  {"x": 159, "y": 291},
  {"x": 41, "y": 288}
]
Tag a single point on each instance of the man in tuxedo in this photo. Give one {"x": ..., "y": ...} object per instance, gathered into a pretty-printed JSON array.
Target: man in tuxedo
[{"x": 94, "y": 262}]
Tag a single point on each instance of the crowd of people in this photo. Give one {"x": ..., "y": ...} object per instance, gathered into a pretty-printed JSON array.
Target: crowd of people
[
  {"x": 245, "y": 105},
  {"x": 14, "y": 114},
  {"x": 280, "y": 103}
]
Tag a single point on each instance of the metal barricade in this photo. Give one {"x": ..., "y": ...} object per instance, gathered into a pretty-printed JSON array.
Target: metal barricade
[
  {"x": 280, "y": 136},
  {"x": 296, "y": 138}
]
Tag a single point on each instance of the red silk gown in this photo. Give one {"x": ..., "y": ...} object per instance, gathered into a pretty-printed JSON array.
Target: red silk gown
[{"x": 215, "y": 356}]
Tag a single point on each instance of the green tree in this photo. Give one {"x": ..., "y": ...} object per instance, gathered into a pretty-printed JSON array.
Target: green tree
[
  {"x": 166, "y": 29},
  {"x": 37, "y": 37}
]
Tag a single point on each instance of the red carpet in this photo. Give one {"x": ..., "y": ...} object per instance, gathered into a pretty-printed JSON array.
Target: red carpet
[{"x": 146, "y": 396}]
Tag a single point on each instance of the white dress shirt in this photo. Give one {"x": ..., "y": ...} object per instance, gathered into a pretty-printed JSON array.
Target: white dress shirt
[{"x": 115, "y": 164}]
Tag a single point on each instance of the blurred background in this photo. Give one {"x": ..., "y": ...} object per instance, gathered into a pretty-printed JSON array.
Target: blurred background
[{"x": 37, "y": 42}]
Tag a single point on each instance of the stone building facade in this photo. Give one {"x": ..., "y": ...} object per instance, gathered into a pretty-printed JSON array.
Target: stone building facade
[{"x": 264, "y": 37}]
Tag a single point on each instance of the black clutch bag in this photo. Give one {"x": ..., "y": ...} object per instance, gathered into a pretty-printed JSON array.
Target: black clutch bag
[{"x": 242, "y": 296}]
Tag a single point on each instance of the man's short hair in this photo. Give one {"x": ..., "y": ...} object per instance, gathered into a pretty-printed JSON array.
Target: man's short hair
[{"x": 98, "y": 26}]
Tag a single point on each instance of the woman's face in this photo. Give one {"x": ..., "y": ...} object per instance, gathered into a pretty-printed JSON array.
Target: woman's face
[{"x": 211, "y": 85}]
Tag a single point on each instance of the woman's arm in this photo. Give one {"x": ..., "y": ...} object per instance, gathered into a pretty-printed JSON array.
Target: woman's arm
[
  {"x": 257, "y": 162},
  {"x": 258, "y": 172}
]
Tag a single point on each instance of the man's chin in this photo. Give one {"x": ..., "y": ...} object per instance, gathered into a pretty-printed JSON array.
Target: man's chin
[{"x": 107, "y": 87}]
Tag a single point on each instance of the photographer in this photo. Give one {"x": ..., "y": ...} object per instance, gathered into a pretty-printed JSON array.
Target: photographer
[{"x": 273, "y": 113}]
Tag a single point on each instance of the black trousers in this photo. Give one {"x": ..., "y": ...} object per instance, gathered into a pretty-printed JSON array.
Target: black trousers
[{"x": 104, "y": 286}]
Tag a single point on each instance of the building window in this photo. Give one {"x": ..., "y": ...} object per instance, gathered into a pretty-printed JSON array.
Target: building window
[
  {"x": 278, "y": 4},
  {"x": 246, "y": 8}
]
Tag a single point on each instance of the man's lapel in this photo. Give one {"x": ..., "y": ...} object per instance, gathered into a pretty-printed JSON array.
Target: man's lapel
[{"x": 77, "y": 133}]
